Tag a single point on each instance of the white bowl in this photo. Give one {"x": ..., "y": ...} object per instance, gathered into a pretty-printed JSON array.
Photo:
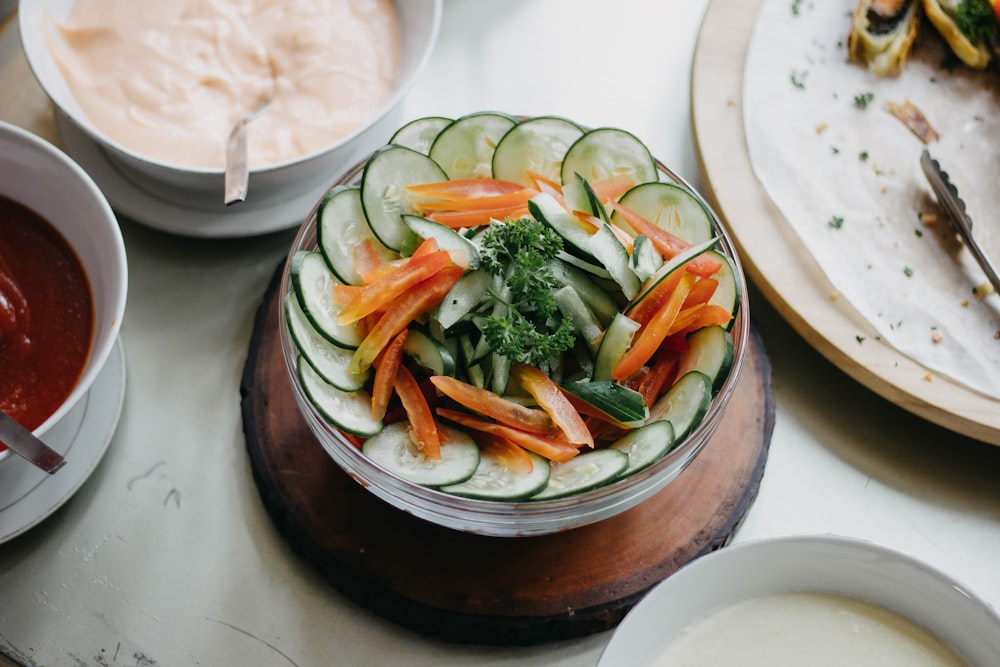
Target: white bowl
[
  {"x": 822, "y": 563},
  {"x": 202, "y": 188},
  {"x": 39, "y": 176}
]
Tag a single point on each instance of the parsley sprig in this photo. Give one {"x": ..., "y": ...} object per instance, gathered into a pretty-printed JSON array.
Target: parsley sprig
[{"x": 533, "y": 329}]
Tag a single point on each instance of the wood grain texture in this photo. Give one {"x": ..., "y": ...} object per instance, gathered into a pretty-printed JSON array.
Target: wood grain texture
[
  {"x": 777, "y": 261},
  {"x": 471, "y": 588}
]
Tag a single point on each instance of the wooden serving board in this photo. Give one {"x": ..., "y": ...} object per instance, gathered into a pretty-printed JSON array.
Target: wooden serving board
[
  {"x": 776, "y": 259},
  {"x": 462, "y": 587}
]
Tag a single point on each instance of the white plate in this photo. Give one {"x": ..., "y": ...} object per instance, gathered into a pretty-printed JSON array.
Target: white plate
[
  {"x": 826, "y": 563},
  {"x": 28, "y": 495},
  {"x": 133, "y": 199}
]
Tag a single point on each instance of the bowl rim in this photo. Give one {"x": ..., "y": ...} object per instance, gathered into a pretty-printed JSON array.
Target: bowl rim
[
  {"x": 116, "y": 254},
  {"x": 34, "y": 50},
  {"x": 526, "y": 517},
  {"x": 789, "y": 563}
]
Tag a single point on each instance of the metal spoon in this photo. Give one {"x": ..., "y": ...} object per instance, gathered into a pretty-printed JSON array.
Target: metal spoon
[
  {"x": 237, "y": 173},
  {"x": 23, "y": 442}
]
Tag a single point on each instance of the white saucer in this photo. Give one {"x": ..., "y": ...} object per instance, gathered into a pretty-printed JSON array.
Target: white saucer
[
  {"x": 147, "y": 207},
  {"x": 28, "y": 495}
]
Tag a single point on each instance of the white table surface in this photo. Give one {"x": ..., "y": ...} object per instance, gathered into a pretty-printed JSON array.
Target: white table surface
[{"x": 166, "y": 556}]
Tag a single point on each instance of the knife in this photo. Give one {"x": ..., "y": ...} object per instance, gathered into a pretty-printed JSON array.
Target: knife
[
  {"x": 947, "y": 196},
  {"x": 24, "y": 443}
]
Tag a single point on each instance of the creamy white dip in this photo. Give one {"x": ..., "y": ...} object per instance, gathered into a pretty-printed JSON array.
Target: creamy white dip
[
  {"x": 815, "y": 629},
  {"x": 168, "y": 78}
]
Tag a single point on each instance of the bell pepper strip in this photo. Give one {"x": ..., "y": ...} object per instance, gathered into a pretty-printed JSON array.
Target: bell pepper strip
[
  {"x": 554, "y": 449},
  {"x": 697, "y": 317},
  {"x": 343, "y": 294},
  {"x": 463, "y": 219},
  {"x": 553, "y": 401},
  {"x": 701, "y": 292},
  {"x": 652, "y": 383},
  {"x": 418, "y": 412},
  {"x": 514, "y": 457},
  {"x": 652, "y": 302},
  {"x": 519, "y": 197},
  {"x": 648, "y": 340},
  {"x": 376, "y": 295},
  {"x": 487, "y": 403},
  {"x": 412, "y": 303},
  {"x": 590, "y": 223},
  {"x": 464, "y": 188},
  {"x": 668, "y": 244},
  {"x": 386, "y": 364},
  {"x": 612, "y": 188},
  {"x": 545, "y": 184}
]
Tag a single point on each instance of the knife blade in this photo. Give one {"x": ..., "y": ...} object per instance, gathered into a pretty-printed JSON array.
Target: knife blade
[
  {"x": 951, "y": 202},
  {"x": 25, "y": 444}
]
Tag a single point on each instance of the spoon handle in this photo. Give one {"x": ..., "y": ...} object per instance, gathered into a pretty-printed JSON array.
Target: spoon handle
[
  {"x": 23, "y": 442},
  {"x": 237, "y": 175}
]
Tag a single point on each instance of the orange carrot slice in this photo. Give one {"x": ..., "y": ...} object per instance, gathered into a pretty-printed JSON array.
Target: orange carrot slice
[
  {"x": 376, "y": 295},
  {"x": 386, "y": 364},
  {"x": 668, "y": 244},
  {"x": 487, "y": 403},
  {"x": 553, "y": 449},
  {"x": 554, "y": 402},
  {"x": 425, "y": 431},
  {"x": 464, "y": 188},
  {"x": 650, "y": 336}
]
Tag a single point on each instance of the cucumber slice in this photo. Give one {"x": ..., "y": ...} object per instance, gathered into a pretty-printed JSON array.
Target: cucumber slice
[
  {"x": 384, "y": 195},
  {"x": 393, "y": 449},
  {"x": 669, "y": 267},
  {"x": 340, "y": 226},
  {"x": 588, "y": 266},
  {"x": 464, "y": 149},
  {"x": 583, "y": 472},
  {"x": 727, "y": 294},
  {"x": 534, "y": 145},
  {"x": 669, "y": 207},
  {"x": 710, "y": 350},
  {"x": 313, "y": 283},
  {"x": 429, "y": 353},
  {"x": 600, "y": 302},
  {"x": 685, "y": 404},
  {"x": 462, "y": 298},
  {"x": 350, "y": 411},
  {"x": 646, "y": 260},
  {"x": 419, "y": 134},
  {"x": 606, "y": 152},
  {"x": 446, "y": 237},
  {"x": 622, "y": 404},
  {"x": 580, "y": 196},
  {"x": 576, "y": 239},
  {"x": 646, "y": 445},
  {"x": 616, "y": 341},
  {"x": 610, "y": 252},
  {"x": 329, "y": 361},
  {"x": 584, "y": 321},
  {"x": 495, "y": 481}
]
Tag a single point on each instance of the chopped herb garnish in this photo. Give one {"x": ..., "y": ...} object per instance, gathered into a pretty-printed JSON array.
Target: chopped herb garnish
[
  {"x": 836, "y": 151},
  {"x": 796, "y": 6},
  {"x": 836, "y": 222},
  {"x": 531, "y": 330},
  {"x": 860, "y": 339},
  {"x": 976, "y": 20},
  {"x": 908, "y": 272},
  {"x": 861, "y": 100},
  {"x": 863, "y": 156},
  {"x": 799, "y": 78},
  {"x": 918, "y": 232}
]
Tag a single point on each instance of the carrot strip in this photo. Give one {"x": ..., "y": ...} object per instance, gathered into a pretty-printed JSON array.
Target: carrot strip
[
  {"x": 487, "y": 403},
  {"x": 461, "y": 219},
  {"x": 376, "y": 295},
  {"x": 650, "y": 336},
  {"x": 506, "y": 200},
  {"x": 425, "y": 431},
  {"x": 697, "y": 317},
  {"x": 550, "y": 448},
  {"x": 406, "y": 308},
  {"x": 386, "y": 364},
  {"x": 506, "y": 452},
  {"x": 612, "y": 188},
  {"x": 545, "y": 184},
  {"x": 554, "y": 402},
  {"x": 464, "y": 188},
  {"x": 668, "y": 244},
  {"x": 652, "y": 384},
  {"x": 701, "y": 292},
  {"x": 343, "y": 294},
  {"x": 653, "y": 301}
]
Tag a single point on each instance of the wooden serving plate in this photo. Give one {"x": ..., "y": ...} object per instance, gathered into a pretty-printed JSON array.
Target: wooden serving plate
[
  {"x": 469, "y": 588},
  {"x": 777, "y": 261}
]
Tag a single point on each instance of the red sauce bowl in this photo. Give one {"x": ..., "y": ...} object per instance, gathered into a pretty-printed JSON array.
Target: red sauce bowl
[{"x": 41, "y": 178}]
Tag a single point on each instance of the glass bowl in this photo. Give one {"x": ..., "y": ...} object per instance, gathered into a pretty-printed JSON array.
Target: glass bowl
[{"x": 520, "y": 518}]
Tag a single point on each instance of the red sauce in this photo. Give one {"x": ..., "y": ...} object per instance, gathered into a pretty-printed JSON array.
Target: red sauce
[{"x": 46, "y": 316}]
